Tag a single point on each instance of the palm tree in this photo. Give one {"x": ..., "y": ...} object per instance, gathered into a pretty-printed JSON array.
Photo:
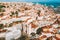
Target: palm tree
[
  {"x": 38, "y": 12},
  {"x": 16, "y": 13}
]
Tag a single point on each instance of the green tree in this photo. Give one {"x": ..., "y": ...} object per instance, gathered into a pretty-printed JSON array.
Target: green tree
[
  {"x": 1, "y": 26},
  {"x": 2, "y": 6},
  {"x": 2, "y": 10},
  {"x": 39, "y": 30}
]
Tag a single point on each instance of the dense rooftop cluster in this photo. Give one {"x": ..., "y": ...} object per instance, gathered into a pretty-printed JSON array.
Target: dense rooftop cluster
[{"x": 31, "y": 18}]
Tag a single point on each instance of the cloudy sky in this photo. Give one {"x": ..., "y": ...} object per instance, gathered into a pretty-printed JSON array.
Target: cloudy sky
[{"x": 29, "y": 1}]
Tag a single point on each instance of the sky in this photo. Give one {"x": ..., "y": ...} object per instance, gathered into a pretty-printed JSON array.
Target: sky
[{"x": 30, "y": 1}]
